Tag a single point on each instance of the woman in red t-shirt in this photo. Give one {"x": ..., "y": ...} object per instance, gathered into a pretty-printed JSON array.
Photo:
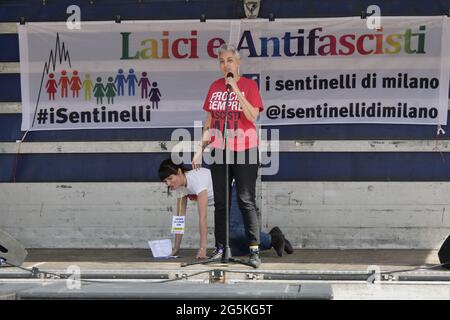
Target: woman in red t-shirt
[{"x": 242, "y": 110}]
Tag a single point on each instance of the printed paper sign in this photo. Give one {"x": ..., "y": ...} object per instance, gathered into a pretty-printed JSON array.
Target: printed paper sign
[{"x": 178, "y": 224}]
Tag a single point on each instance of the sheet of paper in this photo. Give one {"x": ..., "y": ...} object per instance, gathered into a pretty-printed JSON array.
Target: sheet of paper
[{"x": 161, "y": 248}]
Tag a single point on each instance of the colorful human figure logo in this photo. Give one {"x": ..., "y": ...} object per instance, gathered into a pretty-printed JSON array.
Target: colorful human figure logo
[
  {"x": 155, "y": 95},
  {"x": 144, "y": 83},
  {"x": 110, "y": 90},
  {"x": 64, "y": 84},
  {"x": 120, "y": 82},
  {"x": 99, "y": 90},
  {"x": 132, "y": 80},
  {"x": 87, "y": 86},
  {"x": 51, "y": 87},
  {"x": 115, "y": 86},
  {"x": 75, "y": 84}
]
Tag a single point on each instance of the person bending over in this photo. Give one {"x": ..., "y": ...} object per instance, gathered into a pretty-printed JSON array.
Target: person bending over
[{"x": 196, "y": 185}]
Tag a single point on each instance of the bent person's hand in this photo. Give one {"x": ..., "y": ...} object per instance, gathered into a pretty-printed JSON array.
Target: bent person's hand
[{"x": 201, "y": 254}]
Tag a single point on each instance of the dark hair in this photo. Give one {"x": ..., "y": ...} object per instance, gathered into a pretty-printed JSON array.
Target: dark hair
[{"x": 167, "y": 168}]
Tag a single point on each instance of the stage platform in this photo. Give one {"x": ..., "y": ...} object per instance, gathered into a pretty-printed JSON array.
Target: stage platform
[{"x": 306, "y": 274}]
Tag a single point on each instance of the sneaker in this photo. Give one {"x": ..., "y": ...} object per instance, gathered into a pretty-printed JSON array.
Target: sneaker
[
  {"x": 217, "y": 254},
  {"x": 288, "y": 246},
  {"x": 277, "y": 240},
  {"x": 254, "y": 259}
]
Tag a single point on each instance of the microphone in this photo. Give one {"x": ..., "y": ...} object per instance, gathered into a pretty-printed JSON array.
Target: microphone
[{"x": 229, "y": 75}]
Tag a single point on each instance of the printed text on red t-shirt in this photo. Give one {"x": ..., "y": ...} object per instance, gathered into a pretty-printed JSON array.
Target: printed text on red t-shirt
[
  {"x": 219, "y": 99},
  {"x": 217, "y": 106}
]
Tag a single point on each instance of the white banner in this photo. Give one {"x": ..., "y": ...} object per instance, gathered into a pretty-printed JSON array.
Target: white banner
[{"x": 151, "y": 74}]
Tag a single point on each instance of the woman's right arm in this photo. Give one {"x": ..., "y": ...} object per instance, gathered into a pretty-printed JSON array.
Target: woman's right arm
[{"x": 181, "y": 211}]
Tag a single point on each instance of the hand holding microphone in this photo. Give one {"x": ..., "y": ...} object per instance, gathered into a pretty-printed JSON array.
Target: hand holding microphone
[{"x": 230, "y": 80}]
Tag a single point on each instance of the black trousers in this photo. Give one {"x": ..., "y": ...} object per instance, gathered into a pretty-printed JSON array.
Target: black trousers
[{"x": 245, "y": 175}]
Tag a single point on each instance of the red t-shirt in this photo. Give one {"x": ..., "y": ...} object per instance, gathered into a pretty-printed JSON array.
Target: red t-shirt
[{"x": 243, "y": 135}]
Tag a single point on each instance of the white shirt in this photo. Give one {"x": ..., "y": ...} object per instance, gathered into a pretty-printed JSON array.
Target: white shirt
[{"x": 197, "y": 181}]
